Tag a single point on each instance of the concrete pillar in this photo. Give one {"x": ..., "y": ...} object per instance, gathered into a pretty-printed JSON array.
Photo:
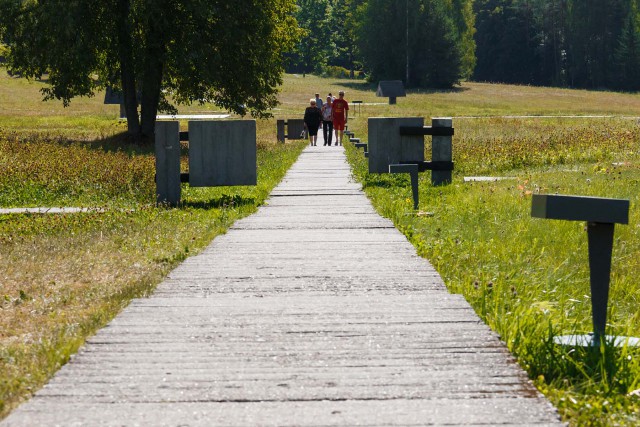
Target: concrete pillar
[
  {"x": 441, "y": 148},
  {"x": 280, "y": 130},
  {"x": 167, "y": 150}
]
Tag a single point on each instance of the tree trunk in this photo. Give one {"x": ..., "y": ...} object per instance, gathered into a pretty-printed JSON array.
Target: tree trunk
[
  {"x": 152, "y": 78},
  {"x": 151, "y": 85},
  {"x": 127, "y": 74}
]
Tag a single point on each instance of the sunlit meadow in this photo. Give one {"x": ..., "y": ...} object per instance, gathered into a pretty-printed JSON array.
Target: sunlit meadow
[
  {"x": 64, "y": 276},
  {"x": 528, "y": 278}
]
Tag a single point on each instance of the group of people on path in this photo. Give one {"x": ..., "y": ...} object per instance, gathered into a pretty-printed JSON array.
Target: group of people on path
[{"x": 332, "y": 115}]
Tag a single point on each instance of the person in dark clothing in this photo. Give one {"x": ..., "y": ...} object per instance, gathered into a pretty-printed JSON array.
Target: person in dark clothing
[{"x": 312, "y": 119}]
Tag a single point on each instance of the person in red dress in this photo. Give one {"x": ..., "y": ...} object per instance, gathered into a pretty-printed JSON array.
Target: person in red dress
[{"x": 340, "y": 116}]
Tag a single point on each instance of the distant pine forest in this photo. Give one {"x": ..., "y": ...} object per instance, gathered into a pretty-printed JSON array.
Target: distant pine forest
[{"x": 590, "y": 44}]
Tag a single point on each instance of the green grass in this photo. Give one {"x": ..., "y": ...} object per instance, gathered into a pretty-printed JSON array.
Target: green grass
[
  {"x": 527, "y": 278},
  {"x": 64, "y": 276}
]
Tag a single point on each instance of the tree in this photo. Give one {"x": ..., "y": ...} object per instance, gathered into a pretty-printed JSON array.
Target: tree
[
  {"x": 228, "y": 53},
  {"x": 551, "y": 18},
  {"x": 506, "y": 42},
  {"x": 593, "y": 34},
  {"x": 435, "y": 56},
  {"x": 345, "y": 15},
  {"x": 412, "y": 40},
  {"x": 381, "y": 39},
  {"x": 464, "y": 20},
  {"x": 314, "y": 47},
  {"x": 627, "y": 54}
]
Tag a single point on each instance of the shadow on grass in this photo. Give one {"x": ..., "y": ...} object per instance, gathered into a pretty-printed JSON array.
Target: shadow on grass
[
  {"x": 129, "y": 144},
  {"x": 365, "y": 86},
  {"x": 388, "y": 182},
  {"x": 362, "y": 85},
  {"x": 121, "y": 142},
  {"x": 433, "y": 91},
  {"x": 221, "y": 202}
]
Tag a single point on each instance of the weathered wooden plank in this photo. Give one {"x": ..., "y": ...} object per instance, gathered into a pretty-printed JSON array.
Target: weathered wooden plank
[{"x": 314, "y": 311}]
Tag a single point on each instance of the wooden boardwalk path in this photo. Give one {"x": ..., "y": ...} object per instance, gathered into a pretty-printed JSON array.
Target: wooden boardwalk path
[{"x": 313, "y": 311}]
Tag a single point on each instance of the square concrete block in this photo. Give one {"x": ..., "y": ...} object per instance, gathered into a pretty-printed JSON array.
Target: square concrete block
[
  {"x": 387, "y": 146},
  {"x": 222, "y": 153}
]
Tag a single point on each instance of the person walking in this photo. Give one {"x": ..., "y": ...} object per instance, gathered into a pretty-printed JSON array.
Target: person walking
[
  {"x": 312, "y": 119},
  {"x": 318, "y": 101},
  {"x": 327, "y": 121},
  {"x": 340, "y": 116}
]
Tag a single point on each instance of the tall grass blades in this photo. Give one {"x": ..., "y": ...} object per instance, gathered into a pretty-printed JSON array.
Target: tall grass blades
[
  {"x": 64, "y": 276},
  {"x": 529, "y": 278}
]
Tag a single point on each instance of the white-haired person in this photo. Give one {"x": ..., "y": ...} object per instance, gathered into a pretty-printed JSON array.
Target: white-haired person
[{"x": 312, "y": 119}]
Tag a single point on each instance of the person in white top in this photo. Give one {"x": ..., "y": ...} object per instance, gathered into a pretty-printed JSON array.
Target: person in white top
[{"x": 327, "y": 121}]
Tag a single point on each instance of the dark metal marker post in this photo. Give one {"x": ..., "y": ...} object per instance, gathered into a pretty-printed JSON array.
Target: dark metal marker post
[
  {"x": 601, "y": 215},
  {"x": 356, "y": 107}
]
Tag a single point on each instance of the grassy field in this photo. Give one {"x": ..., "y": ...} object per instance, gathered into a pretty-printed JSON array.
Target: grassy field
[
  {"x": 528, "y": 278},
  {"x": 62, "y": 277}
]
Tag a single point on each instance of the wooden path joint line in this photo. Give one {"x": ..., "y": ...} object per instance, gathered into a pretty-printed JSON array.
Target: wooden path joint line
[{"x": 313, "y": 311}]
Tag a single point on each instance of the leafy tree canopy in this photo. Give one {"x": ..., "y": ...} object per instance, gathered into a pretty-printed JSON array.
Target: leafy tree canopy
[
  {"x": 313, "y": 49},
  {"x": 155, "y": 51},
  {"x": 417, "y": 41}
]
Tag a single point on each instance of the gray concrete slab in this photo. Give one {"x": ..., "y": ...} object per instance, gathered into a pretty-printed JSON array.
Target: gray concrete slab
[
  {"x": 222, "y": 153},
  {"x": 313, "y": 311}
]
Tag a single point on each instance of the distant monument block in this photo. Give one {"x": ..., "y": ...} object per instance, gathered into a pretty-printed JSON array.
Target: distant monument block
[
  {"x": 291, "y": 129},
  {"x": 391, "y": 89},
  {"x": 115, "y": 97}
]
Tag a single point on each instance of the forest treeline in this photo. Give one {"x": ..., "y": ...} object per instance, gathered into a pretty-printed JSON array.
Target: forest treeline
[{"x": 593, "y": 44}]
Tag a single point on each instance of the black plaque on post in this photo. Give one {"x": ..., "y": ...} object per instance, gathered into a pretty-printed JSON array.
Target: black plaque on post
[{"x": 601, "y": 215}]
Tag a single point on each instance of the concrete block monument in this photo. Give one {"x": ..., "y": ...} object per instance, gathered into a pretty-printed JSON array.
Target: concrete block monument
[
  {"x": 441, "y": 149},
  {"x": 387, "y": 146},
  {"x": 115, "y": 97},
  {"x": 289, "y": 129},
  {"x": 391, "y": 89},
  {"x": 400, "y": 141},
  {"x": 222, "y": 153}
]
